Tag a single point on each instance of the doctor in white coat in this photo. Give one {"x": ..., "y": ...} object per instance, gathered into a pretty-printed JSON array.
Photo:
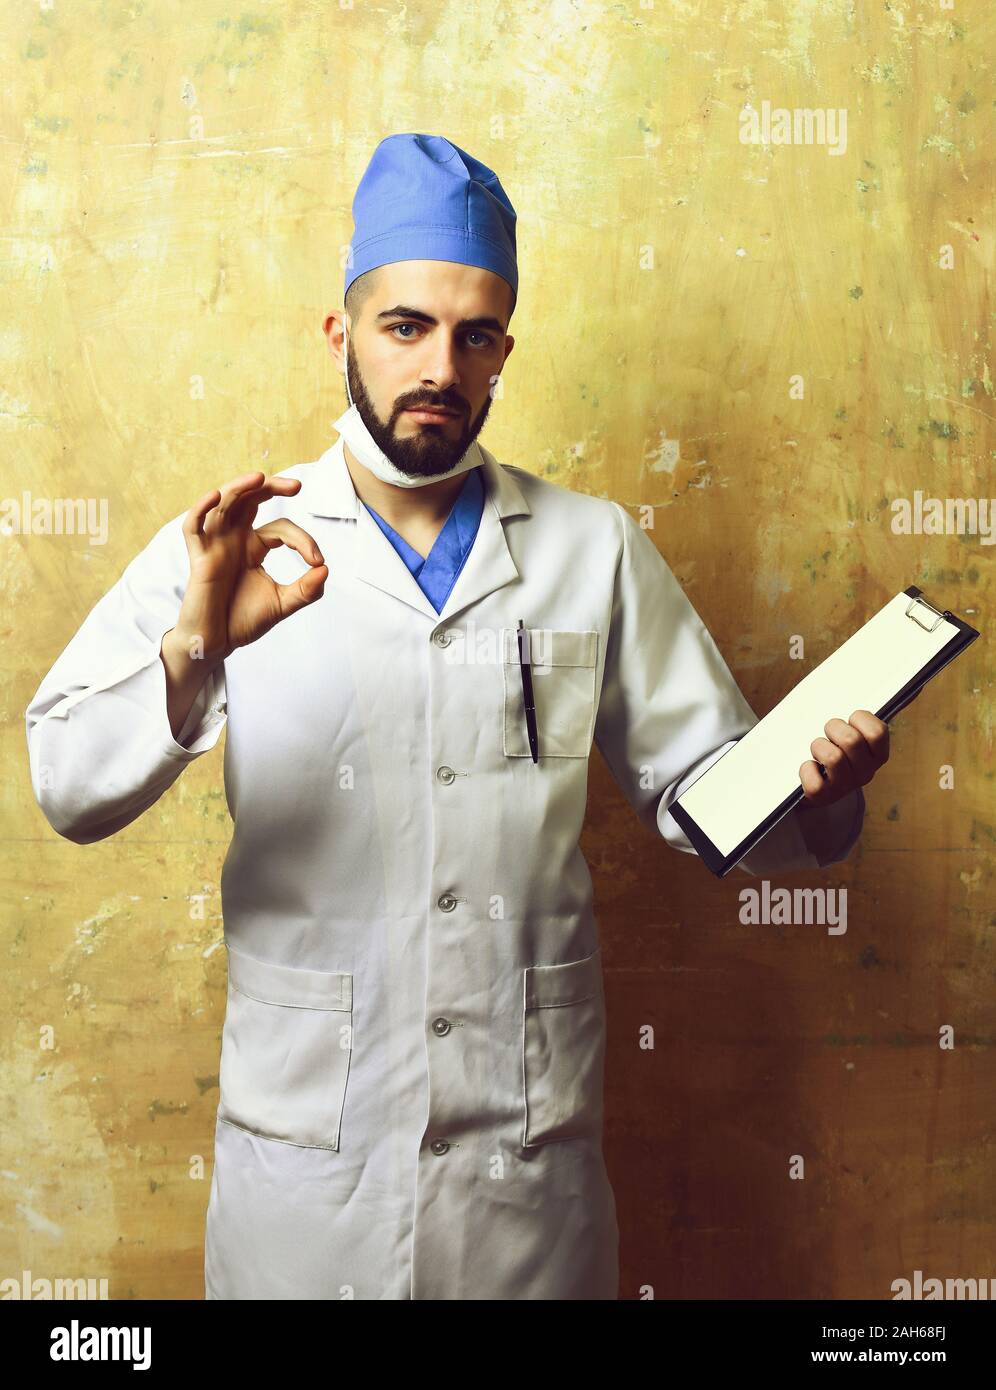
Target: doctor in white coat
[{"x": 411, "y": 1079}]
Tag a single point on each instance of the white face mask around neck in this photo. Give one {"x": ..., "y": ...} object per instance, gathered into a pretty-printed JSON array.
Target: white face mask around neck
[{"x": 365, "y": 448}]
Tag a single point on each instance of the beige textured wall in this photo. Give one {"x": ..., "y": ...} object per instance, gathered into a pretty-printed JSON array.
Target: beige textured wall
[{"x": 175, "y": 185}]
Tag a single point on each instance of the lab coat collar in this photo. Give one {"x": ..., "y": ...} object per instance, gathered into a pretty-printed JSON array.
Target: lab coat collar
[{"x": 489, "y": 566}]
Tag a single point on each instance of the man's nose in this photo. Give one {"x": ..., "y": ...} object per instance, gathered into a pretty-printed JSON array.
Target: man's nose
[{"x": 440, "y": 366}]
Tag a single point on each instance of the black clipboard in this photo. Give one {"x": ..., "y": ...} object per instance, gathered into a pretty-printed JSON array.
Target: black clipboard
[{"x": 919, "y": 611}]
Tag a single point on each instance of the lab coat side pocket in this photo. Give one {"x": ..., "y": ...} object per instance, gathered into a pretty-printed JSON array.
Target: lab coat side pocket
[
  {"x": 285, "y": 1051},
  {"x": 563, "y": 1050}
]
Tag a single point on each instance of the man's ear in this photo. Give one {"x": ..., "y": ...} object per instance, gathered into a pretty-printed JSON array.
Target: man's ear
[{"x": 332, "y": 328}]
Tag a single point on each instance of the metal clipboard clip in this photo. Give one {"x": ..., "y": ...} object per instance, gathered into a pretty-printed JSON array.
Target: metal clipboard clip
[{"x": 919, "y": 622}]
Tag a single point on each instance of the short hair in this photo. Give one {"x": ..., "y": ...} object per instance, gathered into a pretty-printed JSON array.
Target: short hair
[
  {"x": 364, "y": 285},
  {"x": 359, "y": 292}
]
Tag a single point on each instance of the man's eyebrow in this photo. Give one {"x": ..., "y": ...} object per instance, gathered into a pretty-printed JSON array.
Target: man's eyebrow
[{"x": 405, "y": 311}]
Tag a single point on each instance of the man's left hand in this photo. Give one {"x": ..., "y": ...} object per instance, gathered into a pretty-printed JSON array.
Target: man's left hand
[{"x": 851, "y": 753}]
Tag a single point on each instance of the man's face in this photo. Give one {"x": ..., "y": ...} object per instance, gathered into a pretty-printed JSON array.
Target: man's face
[{"x": 431, "y": 334}]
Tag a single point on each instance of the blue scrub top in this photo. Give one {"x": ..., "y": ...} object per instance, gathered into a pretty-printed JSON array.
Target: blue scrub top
[{"x": 436, "y": 573}]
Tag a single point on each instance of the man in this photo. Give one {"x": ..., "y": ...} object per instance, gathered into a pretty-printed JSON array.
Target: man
[{"x": 412, "y": 1059}]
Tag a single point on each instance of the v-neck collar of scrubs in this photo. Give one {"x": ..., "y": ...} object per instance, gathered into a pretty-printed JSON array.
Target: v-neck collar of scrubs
[{"x": 437, "y": 572}]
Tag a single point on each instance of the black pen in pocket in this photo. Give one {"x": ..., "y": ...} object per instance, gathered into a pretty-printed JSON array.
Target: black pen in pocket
[{"x": 527, "y": 690}]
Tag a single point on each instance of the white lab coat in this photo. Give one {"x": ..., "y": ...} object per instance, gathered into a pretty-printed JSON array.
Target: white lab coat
[{"x": 411, "y": 1070}]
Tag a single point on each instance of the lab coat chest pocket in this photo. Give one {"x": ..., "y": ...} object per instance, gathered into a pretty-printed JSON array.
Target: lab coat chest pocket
[
  {"x": 563, "y": 1050},
  {"x": 564, "y": 666},
  {"x": 285, "y": 1051}
]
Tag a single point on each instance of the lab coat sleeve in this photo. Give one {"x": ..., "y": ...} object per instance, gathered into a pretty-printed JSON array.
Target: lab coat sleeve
[
  {"x": 100, "y": 746},
  {"x": 670, "y": 707}
]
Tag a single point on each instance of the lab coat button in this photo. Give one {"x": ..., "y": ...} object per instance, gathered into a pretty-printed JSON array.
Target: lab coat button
[
  {"x": 441, "y": 638},
  {"x": 439, "y": 1146},
  {"x": 447, "y": 902},
  {"x": 445, "y": 774},
  {"x": 440, "y": 1026}
]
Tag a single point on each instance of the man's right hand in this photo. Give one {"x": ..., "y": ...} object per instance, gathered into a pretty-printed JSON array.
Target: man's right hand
[{"x": 230, "y": 600}]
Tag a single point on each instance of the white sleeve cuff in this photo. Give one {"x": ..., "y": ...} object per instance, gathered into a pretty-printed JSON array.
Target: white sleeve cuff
[
  {"x": 784, "y": 849},
  {"x": 666, "y": 823},
  {"x": 141, "y": 682}
]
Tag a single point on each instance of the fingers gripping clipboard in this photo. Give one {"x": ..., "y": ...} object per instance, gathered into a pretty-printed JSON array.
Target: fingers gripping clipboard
[{"x": 882, "y": 667}]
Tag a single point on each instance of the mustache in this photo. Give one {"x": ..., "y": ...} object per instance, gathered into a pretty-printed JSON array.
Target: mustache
[{"x": 458, "y": 407}]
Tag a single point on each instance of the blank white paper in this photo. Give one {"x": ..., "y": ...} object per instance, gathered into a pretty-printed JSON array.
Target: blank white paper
[{"x": 742, "y": 789}]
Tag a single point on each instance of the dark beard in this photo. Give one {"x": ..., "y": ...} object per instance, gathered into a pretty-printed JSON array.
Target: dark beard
[{"x": 425, "y": 455}]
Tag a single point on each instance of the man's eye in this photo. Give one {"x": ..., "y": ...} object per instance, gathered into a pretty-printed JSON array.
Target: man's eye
[{"x": 485, "y": 339}]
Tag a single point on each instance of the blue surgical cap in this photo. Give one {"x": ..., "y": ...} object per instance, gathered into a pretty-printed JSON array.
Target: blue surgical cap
[{"x": 425, "y": 199}]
